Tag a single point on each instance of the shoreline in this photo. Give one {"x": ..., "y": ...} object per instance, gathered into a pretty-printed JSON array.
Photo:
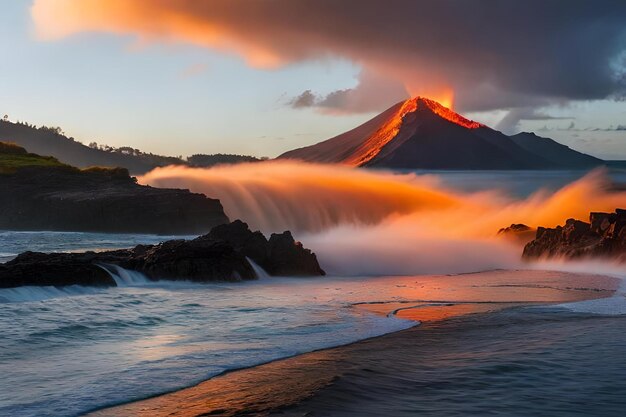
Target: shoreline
[{"x": 281, "y": 383}]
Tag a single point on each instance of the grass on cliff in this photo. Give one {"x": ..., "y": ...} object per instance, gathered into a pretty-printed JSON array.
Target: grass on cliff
[{"x": 13, "y": 157}]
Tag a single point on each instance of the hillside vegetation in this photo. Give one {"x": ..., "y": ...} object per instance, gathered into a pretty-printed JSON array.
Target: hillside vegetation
[
  {"x": 45, "y": 140},
  {"x": 14, "y": 157}
]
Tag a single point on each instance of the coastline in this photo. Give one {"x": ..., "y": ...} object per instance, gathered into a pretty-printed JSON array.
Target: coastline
[{"x": 276, "y": 387}]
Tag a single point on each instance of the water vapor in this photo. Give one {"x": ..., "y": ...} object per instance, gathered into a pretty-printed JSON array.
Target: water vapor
[{"x": 378, "y": 222}]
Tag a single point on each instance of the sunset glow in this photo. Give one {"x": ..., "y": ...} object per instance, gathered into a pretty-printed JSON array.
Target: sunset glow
[{"x": 313, "y": 208}]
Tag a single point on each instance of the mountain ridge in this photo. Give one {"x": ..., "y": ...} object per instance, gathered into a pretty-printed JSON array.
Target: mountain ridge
[
  {"x": 53, "y": 142},
  {"x": 420, "y": 133}
]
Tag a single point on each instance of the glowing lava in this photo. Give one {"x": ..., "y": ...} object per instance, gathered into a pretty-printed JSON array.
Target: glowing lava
[
  {"x": 389, "y": 131},
  {"x": 448, "y": 114}
]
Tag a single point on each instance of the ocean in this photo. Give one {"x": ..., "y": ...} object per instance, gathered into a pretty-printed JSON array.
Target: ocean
[{"x": 68, "y": 351}]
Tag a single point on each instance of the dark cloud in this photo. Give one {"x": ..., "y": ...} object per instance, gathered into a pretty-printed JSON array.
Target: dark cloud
[
  {"x": 510, "y": 122},
  {"x": 372, "y": 93},
  {"x": 494, "y": 54},
  {"x": 306, "y": 99}
]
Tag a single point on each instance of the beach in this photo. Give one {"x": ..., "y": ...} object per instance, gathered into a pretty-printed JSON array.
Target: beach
[{"x": 499, "y": 334}]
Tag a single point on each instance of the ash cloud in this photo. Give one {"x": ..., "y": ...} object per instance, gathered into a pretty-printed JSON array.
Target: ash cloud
[{"x": 494, "y": 54}]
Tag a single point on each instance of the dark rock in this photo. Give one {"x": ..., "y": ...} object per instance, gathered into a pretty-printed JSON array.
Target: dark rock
[
  {"x": 604, "y": 236},
  {"x": 518, "y": 232},
  {"x": 100, "y": 200},
  {"x": 288, "y": 257},
  {"x": 194, "y": 260},
  {"x": 220, "y": 255},
  {"x": 251, "y": 244},
  {"x": 281, "y": 255},
  {"x": 55, "y": 269}
]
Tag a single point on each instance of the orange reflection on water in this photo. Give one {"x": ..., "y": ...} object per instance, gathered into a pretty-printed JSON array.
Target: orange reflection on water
[{"x": 275, "y": 385}]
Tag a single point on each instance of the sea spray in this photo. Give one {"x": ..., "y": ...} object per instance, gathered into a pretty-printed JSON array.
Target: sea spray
[{"x": 363, "y": 222}]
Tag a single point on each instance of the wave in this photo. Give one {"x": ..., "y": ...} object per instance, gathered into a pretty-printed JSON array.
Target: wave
[
  {"x": 364, "y": 222},
  {"x": 124, "y": 278},
  {"x": 610, "y": 306},
  {"x": 35, "y": 293}
]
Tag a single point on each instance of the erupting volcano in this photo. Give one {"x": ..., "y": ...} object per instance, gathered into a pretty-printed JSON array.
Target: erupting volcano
[{"x": 420, "y": 133}]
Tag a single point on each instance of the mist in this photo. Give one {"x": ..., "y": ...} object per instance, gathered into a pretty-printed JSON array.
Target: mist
[{"x": 364, "y": 222}]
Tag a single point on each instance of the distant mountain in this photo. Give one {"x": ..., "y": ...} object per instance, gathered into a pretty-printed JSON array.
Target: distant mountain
[
  {"x": 420, "y": 133},
  {"x": 555, "y": 152},
  {"x": 206, "y": 161},
  {"x": 51, "y": 141}
]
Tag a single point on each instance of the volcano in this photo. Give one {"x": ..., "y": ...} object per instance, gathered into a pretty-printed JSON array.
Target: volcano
[{"x": 420, "y": 133}]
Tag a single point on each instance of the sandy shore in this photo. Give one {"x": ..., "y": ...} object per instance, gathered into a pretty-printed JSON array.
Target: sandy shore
[{"x": 448, "y": 307}]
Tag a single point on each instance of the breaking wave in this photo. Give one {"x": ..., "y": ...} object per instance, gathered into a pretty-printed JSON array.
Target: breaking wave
[{"x": 378, "y": 222}]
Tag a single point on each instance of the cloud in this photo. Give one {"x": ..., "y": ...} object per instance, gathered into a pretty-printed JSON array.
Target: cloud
[
  {"x": 494, "y": 54},
  {"x": 306, "y": 99},
  {"x": 510, "y": 122},
  {"x": 372, "y": 93}
]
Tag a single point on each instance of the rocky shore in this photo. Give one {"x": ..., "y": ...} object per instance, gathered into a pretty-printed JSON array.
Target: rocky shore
[
  {"x": 220, "y": 255},
  {"x": 604, "y": 236}
]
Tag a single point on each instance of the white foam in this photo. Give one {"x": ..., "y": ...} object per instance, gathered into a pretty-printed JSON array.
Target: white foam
[
  {"x": 258, "y": 271},
  {"x": 33, "y": 293},
  {"x": 612, "y": 306},
  {"x": 125, "y": 277}
]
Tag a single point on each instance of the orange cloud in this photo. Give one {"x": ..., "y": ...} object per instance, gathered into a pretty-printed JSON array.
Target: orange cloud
[
  {"x": 432, "y": 47},
  {"x": 149, "y": 20}
]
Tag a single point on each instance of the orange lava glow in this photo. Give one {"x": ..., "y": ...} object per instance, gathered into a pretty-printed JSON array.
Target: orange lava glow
[
  {"x": 388, "y": 131},
  {"x": 445, "y": 98},
  {"x": 371, "y": 147},
  {"x": 450, "y": 115}
]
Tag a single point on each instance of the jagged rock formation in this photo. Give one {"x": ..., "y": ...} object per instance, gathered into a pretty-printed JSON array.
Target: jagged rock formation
[
  {"x": 39, "y": 193},
  {"x": 604, "y": 236},
  {"x": 280, "y": 255},
  {"x": 518, "y": 232},
  {"x": 218, "y": 256},
  {"x": 420, "y": 133}
]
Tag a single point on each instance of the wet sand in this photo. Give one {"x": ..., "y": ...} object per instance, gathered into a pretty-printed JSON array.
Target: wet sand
[{"x": 328, "y": 381}]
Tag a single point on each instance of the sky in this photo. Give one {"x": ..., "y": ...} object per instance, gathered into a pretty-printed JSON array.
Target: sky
[{"x": 261, "y": 77}]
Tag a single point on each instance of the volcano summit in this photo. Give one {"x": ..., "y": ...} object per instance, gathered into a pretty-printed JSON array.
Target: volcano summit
[{"x": 420, "y": 133}]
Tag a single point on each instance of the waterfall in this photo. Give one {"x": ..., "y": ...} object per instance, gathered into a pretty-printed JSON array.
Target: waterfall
[
  {"x": 124, "y": 277},
  {"x": 259, "y": 272}
]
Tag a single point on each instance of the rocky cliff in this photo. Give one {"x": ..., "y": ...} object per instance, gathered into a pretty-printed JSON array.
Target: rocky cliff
[
  {"x": 39, "y": 193},
  {"x": 604, "y": 236},
  {"x": 221, "y": 255}
]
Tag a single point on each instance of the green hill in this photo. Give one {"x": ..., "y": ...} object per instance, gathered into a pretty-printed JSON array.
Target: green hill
[{"x": 14, "y": 157}]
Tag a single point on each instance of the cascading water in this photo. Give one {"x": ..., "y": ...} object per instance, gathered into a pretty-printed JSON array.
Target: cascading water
[
  {"x": 124, "y": 277},
  {"x": 364, "y": 222},
  {"x": 258, "y": 271}
]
